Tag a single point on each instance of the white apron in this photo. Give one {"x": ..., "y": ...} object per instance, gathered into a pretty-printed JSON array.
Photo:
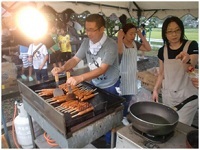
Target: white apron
[
  {"x": 177, "y": 86},
  {"x": 128, "y": 70}
]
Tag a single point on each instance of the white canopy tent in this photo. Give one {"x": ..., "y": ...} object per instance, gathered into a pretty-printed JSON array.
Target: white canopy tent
[{"x": 135, "y": 9}]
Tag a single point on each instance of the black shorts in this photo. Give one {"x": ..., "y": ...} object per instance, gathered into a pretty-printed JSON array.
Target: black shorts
[
  {"x": 65, "y": 56},
  {"x": 41, "y": 74},
  {"x": 55, "y": 57}
]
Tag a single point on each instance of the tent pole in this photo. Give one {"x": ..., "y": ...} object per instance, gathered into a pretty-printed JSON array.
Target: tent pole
[{"x": 7, "y": 9}]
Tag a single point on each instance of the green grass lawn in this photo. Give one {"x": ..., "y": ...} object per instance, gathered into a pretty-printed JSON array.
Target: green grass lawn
[{"x": 191, "y": 34}]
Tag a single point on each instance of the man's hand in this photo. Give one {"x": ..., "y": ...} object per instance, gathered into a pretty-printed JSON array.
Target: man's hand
[
  {"x": 75, "y": 80},
  {"x": 56, "y": 70}
]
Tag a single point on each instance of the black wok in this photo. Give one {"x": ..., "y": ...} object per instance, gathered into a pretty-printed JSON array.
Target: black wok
[{"x": 155, "y": 118}]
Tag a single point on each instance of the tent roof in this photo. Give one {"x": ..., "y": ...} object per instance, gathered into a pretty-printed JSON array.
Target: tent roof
[{"x": 161, "y": 9}]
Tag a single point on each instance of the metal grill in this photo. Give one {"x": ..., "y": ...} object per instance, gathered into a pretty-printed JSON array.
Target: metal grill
[{"x": 104, "y": 103}]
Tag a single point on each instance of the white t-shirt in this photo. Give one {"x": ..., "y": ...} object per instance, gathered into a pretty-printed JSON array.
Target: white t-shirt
[{"x": 39, "y": 56}]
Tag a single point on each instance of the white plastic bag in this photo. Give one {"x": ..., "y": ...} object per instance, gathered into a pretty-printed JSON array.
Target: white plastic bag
[{"x": 144, "y": 95}]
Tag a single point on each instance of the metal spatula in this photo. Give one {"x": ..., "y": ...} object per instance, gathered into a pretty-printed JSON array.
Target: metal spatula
[
  {"x": 57, "y": 91},
  {"x": 70, "y": 94}
]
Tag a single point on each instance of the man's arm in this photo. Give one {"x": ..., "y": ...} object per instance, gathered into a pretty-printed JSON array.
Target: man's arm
[
  {"x": 71, "y": 63},
  {"x": 88, "y": 75}
]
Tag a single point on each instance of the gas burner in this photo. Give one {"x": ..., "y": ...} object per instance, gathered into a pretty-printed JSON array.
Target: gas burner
[{"x": 153, "y": 138}]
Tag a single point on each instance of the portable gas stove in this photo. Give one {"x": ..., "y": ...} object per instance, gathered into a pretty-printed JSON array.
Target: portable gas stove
[{"x": 128, "y": 137}]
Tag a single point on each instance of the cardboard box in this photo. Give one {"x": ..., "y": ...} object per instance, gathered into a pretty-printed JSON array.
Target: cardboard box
[
  {"x": 9, "y": 84},
  {"x": 147, "y": 86},
  {"x": 9, "y": 73},
  {"x": 148, "y": 78}
]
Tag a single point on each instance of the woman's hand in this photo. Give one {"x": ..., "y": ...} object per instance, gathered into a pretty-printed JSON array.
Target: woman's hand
[
  {"x": 120, "y": 34},
  {"x": 183, "y": 56},
  {"x": 195, "y": 82},
  {"x": 139, "y": 33},
  {"x": 155, "y": 95}
]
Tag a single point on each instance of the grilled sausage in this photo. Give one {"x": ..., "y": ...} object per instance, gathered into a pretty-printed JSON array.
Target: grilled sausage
[
  {"x": 88, "y": 97},
  {"x": 83, "y": 112}
]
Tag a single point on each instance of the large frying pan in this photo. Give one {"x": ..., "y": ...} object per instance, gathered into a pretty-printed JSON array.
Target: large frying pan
[{"x": 156, "y": 118}]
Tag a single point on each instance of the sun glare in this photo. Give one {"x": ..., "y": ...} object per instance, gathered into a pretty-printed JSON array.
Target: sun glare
[{"x": 32, "y": 23}]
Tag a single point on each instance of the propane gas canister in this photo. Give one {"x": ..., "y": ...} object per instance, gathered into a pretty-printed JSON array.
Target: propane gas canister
[{"x": 22, "y": 128}]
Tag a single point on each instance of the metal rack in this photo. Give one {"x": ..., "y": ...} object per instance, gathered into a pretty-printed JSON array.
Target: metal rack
[{"x": 80, "y": 138}]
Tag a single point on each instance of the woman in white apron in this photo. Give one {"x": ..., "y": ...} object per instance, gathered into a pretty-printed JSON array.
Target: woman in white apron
[
  {"x": 127, "y": 49},
  {"x": 174, "y": 59}
]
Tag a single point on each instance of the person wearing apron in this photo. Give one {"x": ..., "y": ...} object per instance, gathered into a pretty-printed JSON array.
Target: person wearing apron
[
  {"x": 173, "y": 58},
  {"x": 127, "y": 50}
]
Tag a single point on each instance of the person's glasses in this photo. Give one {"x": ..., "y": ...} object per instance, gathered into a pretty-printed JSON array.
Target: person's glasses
[
  {"x": 92, "y": 30},
  {"x": 178, "y": 31}
]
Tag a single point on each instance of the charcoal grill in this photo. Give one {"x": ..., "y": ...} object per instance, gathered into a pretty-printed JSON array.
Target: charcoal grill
[{"x": 104, "y": 105}]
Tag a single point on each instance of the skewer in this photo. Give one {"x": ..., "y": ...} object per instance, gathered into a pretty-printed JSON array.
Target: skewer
[
  {"x": 58, "y": 101},
  {"x": 50, "y": 100},
  {"x": 38, "y": 90},
  {"x": 79, "y": 85},
  {"x": 54, "y": 102},
  {"x": 94, "y": 89},
  {"x": 73, "y": 112},
  {"x": 69, "y": 109},
  {"x": 66, "y": 110},
  {"x": 59, "y": 107},
  {"x": 73, "y": 109},
  {"x": 47, "y": 100},
  {"x": 62, "y": 109}
]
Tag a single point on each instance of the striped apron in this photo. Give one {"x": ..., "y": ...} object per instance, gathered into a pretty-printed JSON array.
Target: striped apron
[{"x": 128, "y": 70}]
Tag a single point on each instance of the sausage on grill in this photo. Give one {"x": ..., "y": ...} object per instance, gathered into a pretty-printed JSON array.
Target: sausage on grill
[
  {"x": 84, "y": 112},
  {"x": 88, "y": 97}
]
